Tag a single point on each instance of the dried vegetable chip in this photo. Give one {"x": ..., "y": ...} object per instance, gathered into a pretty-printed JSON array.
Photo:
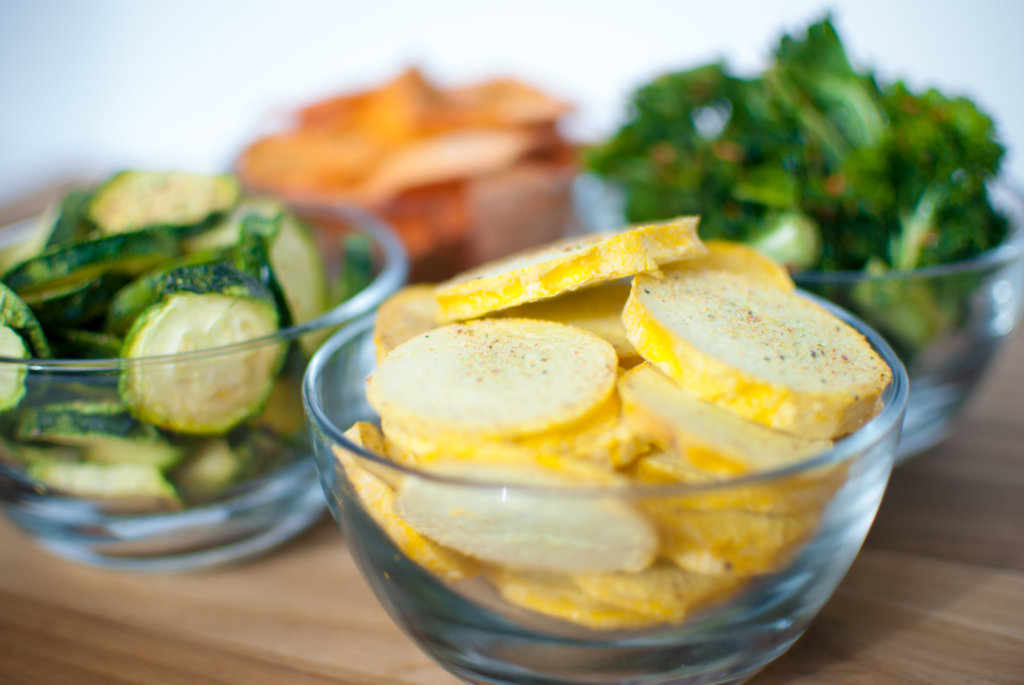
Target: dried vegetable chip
[
  {"x": 378, "y": 499},
  {"x": 567, "y": 266},
  {"x": 762, "y": 353},
  {"x": 557, "y": 596},
  {"x": 409, "y": 312}
]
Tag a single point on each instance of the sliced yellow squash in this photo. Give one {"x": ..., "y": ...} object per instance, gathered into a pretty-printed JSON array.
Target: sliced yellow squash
[
  {"x": 557, "y": 596},
  {"x": 409, "y": 312},
  {"x": 600, "y": 437},
  {"x": 705, "y": 435},
  {"x": 566, "y": 266},
  {"x": 665, "y": 592},
  {"x": 765, "y": 354},
  {"x": 597, "y": 309},
  {"x": 743, "y": 260},
  {"x": 378, "y": 499},
  {"x": 540, "y": 521},
  {"x": 727, "y": 541},
  {"x": 501, "y": 378}
]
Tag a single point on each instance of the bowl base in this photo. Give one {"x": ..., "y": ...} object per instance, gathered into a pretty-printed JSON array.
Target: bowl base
[
  {"x": 203, "y": 537},
  {"x": 724, "y": 675}
]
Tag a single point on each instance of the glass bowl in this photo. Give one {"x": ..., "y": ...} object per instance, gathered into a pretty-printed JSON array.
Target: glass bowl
[
  {"x": 755, "y": 558},
  {"x": 226, "y": 508},
  {"x": 946, "y": 322}
]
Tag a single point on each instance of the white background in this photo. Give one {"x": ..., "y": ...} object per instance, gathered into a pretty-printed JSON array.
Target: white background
[{"x": 91, "y": 86}]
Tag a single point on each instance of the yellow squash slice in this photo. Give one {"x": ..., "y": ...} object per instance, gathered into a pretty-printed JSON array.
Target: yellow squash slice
[
  {"x": 705, "y": 435},
  {"x": 601, "y": 437},
  {"x": 807, "y": 492},
  {"x": 501, "y": 378},
  {"x": 765, "y": 354},
  {"x": 664, "y": 591},
  {"x": 544, "y": 523},
  {"x": 378, "y": 499},
  {"x": 557, "y": 596},
  {"x": 727, "y": 541},
  {"x": 566, "y": 266},
  {"x": 743, "y": 260},
  {"x": 597, "y": 309},
  {"x": 409, "y": 312}
]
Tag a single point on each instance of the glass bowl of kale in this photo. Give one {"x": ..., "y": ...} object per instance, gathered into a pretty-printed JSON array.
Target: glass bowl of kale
[
  {"x": 887, "y": 201},
  {"x": 154, "y": 329}
]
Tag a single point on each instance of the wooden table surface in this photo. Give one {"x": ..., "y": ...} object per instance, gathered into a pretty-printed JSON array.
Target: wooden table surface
[{"x": 936, "y": 596}]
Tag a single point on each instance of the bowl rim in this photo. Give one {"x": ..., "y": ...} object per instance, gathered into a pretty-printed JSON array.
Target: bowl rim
[
  {"x": 1000, "y": 255},
  {"x": 394, "y": 273},
  {"x": 889, "y": 419}
]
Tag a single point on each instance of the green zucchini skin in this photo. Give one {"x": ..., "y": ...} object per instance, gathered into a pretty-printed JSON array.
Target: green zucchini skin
[
  {"x": 63, "y": 265},
  {"x": 177, "y": 202},
  {"x": 79, "y": 422},
  {"x": 141, "y": 486},
  {"x": 219, "y": 277},
  {"x": 215, "y": 277},
  {"x": 105, "y": 432},
  {"x": 252, "y": 256},
  {"x": 18, "y": 316},
  {"x": 132, "y": 299}
]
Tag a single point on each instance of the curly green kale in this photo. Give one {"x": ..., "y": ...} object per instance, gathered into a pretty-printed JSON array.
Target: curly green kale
[{"x": 813, "y": 161}]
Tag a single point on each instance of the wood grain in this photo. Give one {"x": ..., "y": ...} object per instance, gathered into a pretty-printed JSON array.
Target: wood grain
[{"x": 936, "y": 596}]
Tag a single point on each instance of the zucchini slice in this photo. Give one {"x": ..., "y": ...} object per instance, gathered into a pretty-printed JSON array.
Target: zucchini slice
[
  {"x": 295, "y": 261},
  {"x": 74, "y": 305},
  {"x": 62, "y": 222},
  {"x": 212, "y": 468},
  {"x": 188, "y": 203},
  {"x": 12, "y": 374},
  {"x": 226, "y": 233},
  {"x": 17, "y": 315},
  {"x": 20, "y": 454},
  {"x": 299, "y": 268},
  {"x": 105, "y": 432},
  {"x": 137, "y": 482},
  {"x": 163, "y": 455},
  {"x": 64, "y": 265},
  {"x": 261, "y": 450},
  {"x": 82, "y": 423},
  {"x": 206, "y": 395},
  {"x": 252, "y": 256},
  {"x": 131, "y": 300}
]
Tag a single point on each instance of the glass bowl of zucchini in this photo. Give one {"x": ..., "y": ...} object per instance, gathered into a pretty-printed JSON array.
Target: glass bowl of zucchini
[{"x": 155, "y": 328}]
